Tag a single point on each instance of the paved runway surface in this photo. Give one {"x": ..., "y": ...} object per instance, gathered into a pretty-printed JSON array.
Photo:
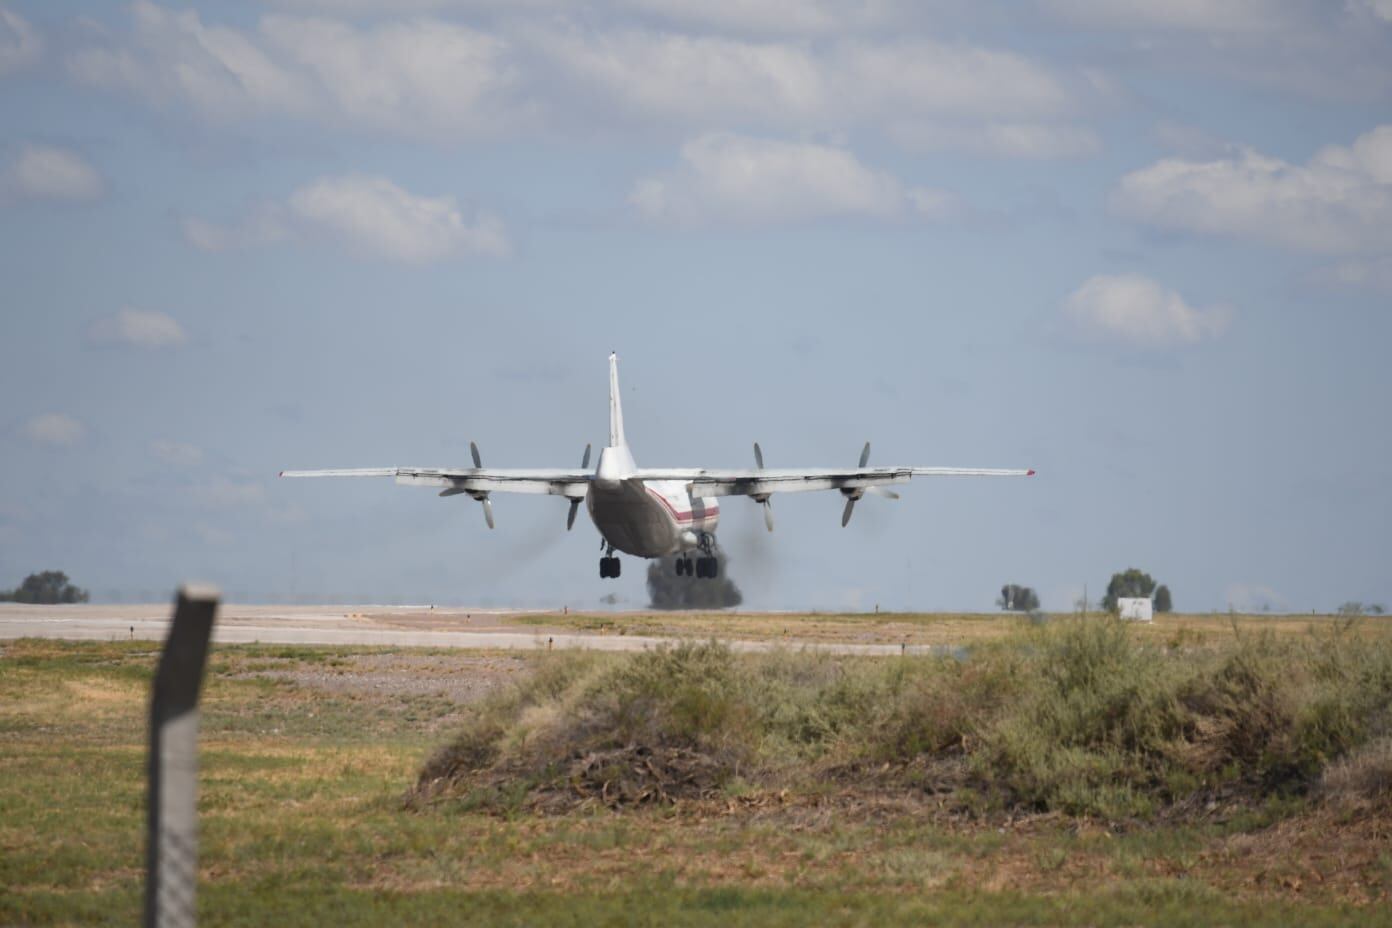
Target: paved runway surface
[{"x": 410, "y": 626}]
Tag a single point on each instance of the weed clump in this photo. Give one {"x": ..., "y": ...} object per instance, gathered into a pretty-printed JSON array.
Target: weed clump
[{"x": 1079, "y": 717}]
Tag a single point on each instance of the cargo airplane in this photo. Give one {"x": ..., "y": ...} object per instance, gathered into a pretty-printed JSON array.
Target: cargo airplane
[{"x": 656, "y": 512}]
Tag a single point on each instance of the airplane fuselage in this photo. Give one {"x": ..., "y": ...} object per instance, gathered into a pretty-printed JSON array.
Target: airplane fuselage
[{"x": 651, "y": 518}]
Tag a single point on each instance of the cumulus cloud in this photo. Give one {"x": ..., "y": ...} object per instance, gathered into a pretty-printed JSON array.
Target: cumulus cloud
[
  {"x": 55, "y": 430},
  {"x": 136, "y": 328},
  {"x": 1319, "y": 49},
  {"x": 1204, "y": 16},
  {"x": 1010, "y": 140},
  {"x": 370, "y": 214},
  {"x": 734, "y": 178},
  {"x": 20, "y": 44},
  {"x": 46, "y": 172},
  {"x": 1137, "y": 310},
  {"x": 678, "y": 77},
  {"x": 1339, "y": 202},
  {"x": 414, "y": 77},
  {"x": 433, "y": 78}
]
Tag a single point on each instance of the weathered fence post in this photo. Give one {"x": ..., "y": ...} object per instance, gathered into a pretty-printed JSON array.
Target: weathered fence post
[{"x": 171, "y": 856}]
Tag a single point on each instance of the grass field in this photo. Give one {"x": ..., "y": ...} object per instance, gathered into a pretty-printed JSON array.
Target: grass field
[
  {"x": 310, "y": 812},
  {"x": 913, "y": 628}
]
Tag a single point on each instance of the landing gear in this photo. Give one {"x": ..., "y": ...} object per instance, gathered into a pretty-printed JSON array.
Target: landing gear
[
  {"x": 609, "y": 566},
  {"x": 704, "y": 568}
]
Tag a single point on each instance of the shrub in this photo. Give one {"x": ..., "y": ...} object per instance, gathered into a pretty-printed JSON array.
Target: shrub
[{"x": 1083, "y": 717}]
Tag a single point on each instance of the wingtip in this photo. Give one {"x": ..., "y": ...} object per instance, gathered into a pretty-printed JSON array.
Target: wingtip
[
  {"x": 281, "y": 474},
  {"x": 1030, "y": 472}
]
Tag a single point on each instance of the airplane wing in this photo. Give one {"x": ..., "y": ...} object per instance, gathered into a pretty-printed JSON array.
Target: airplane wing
[
  {"x": 472, "y": 480},
  {"x": 759, "y": 482}
]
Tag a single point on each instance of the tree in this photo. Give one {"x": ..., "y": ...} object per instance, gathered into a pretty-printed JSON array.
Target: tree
[
  {"x": 1016, "y": 598},
  {"x": 1135, "y": 583},
  {"x": 666, "y": 590},
  {"x": 50, "y": 586}
]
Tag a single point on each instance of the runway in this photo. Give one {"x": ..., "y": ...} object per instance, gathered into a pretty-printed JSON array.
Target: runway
[{"x": 390, "y": 626}]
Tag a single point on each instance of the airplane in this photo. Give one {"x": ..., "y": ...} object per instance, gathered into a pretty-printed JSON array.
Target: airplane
[{"x": 656, "y": 512}]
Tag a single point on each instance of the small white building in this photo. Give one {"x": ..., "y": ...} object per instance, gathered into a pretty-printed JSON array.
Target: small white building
[{"x": 1135, "y": 610}]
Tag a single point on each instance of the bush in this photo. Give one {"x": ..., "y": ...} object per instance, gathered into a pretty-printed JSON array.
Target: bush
[{"x": 1082, "y": 717}]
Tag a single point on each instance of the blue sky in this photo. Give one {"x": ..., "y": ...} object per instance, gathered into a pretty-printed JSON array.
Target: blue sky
[{"x": 1144, "y": 248}]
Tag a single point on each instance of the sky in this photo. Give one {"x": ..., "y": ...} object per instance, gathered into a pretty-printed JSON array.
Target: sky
[{"x": 1144, "y": 248}]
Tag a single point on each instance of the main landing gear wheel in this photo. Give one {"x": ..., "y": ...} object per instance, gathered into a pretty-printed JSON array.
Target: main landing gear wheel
[
  {"x": 609, "y": 567},
  {"x": 707, "y": 568}
]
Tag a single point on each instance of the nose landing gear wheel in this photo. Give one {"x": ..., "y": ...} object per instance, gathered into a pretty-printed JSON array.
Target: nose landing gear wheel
[{"x": 609, "y": 567}]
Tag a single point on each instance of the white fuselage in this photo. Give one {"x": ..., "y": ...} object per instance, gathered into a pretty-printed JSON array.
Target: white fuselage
[{"x": 650, "y": 518}]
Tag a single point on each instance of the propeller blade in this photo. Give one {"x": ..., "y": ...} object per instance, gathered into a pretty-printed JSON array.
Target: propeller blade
[
  {"x": 453, "y": 491},
  {"x": 487, "y": 511},
  {"x": 881, "y": 491},
  {"x": 865, "y": 454},
  {"x": 473, "y": 449},
  {"x": 758, "y": 457},
  {"x": 585, "y": 461},
  {"x": 570, "y": 516},
  {"x": 768, "y": 515},
  {"x": 846, "y": 513}
]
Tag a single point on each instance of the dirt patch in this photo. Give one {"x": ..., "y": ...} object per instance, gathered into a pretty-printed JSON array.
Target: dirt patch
[{"x": 460, "y": 678}]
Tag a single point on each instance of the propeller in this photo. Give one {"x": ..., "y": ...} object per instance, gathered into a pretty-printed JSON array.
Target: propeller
[
  {"x": 482, "y": 497},
  {"x": 575, "y": 503},
  {"x": 853, "y": 495},
  {"x": 768, "y": 509}
]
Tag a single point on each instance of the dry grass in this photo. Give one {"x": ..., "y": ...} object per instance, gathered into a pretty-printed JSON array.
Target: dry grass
[{"x": 303, "y": 820}]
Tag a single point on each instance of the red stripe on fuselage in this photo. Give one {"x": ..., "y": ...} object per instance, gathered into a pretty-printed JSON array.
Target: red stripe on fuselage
[{"x": 689, "y": 516}]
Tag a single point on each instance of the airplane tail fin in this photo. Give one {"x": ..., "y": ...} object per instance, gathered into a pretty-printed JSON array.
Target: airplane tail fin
[{"x": 616, "y": 429}]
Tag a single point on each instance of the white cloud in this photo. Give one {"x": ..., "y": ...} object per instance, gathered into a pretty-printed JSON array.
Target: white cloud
[
  {"x": 1315, "y": 49},
  {"x": 401, "y": 75},
  {"x": 55, "y": 430},
  {"x": 20, "y": 44},
  {"x": 679, "y": 77},
  {"x": 1205, "y": 16},
  {"x": 1339, "y": 202},
  {"x": 137, "y": 329},
  {"x": 1009, "y": 140},
  {"x": 417, "y": 77},
  {"x": 1135, "y": 309},
  {"x": 369, "y": 214},
  {"x": 264, "y": 224},
  {"x": 45, "y": 172},
  {"x": 734, "y": 178},
  {"x": 222, "y": 72},
  {"x": 1382, "y": 9},
  {"x": 177, "y": 454},
  {"x": 433, "y": 78}
]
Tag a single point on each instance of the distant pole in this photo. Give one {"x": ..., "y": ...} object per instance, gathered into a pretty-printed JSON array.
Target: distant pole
[{"x": 171, "y": 853}]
